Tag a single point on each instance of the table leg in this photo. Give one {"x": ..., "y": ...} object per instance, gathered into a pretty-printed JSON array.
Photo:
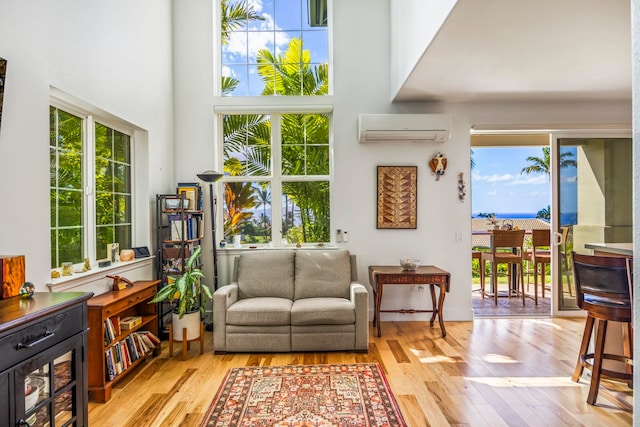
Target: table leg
[
  {"x": 440, "y": 308},
  {"x": 377, "y": 308},
  {"x": 433, "y": 304}
]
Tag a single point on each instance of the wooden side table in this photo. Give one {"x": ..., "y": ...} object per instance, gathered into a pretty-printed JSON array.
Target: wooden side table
[{"x": 380, "y": 275}]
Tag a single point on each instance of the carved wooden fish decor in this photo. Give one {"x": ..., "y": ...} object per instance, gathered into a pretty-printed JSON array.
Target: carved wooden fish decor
[{"x": 438, "y": 164}]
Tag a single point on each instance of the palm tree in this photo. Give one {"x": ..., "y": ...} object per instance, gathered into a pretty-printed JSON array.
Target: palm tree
[{"x": 542, "y": 165}]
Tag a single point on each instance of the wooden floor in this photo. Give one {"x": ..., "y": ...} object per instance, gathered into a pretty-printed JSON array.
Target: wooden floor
[{"x": 490, "y": 372}]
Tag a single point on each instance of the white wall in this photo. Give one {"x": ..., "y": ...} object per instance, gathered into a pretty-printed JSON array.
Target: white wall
[
  {"x": 414, "y": 24},
  {"x": 114, "y": 55}
]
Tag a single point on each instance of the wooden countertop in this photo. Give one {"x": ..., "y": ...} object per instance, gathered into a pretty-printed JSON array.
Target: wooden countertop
[{"x": 625, "y": 249}]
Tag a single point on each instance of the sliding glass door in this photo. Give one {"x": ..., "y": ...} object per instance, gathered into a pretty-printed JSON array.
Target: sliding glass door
[{"x": 592, "y": 202}]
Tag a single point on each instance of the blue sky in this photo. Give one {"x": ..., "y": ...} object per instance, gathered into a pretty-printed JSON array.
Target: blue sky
[{"x": 497, "y": 185}]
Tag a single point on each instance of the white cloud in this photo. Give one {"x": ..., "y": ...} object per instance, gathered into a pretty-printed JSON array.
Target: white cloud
[
  {"x": 493, "y": 178},
  {"x": 531, "y": 180},
  {"x": 492, "y": 193}
]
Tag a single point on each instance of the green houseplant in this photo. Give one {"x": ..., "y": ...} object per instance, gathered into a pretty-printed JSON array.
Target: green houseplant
[{"x": 188, "y": 292}]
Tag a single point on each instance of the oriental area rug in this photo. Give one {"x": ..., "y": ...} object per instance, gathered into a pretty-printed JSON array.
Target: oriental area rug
[{"x": 305, "y": 395}]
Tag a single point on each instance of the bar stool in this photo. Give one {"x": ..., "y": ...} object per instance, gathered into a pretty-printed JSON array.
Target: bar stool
[
  {"x": 539, "y": 256},
  {"x": 506, "y": 248},
  {"x": 602, "y": 290}
]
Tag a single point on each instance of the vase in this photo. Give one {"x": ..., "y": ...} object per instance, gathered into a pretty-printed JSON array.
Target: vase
[{"x": 191, "y": 321}]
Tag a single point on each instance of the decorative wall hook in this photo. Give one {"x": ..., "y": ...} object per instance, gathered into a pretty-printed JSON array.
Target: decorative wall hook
[
  {"x": 438, "y": 164},
  {"x": 461, "y": 190}
]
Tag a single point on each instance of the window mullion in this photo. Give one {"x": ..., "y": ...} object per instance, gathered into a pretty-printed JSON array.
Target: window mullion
[
  {"x": 276, "y": 181},
  {"x": 89, "y": 181}
]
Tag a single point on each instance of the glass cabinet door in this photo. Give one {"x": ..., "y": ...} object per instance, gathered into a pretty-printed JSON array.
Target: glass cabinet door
[{"x": 51, "y": 385}]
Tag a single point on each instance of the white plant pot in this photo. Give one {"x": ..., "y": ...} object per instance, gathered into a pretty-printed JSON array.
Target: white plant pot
[{"x": 191, "y": 321}]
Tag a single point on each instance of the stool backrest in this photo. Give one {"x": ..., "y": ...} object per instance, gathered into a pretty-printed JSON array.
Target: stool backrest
[
  {"x": 507, "y": 239},
  {"x": 540, "y": 238},
  {"x": 601, "y": 281}
]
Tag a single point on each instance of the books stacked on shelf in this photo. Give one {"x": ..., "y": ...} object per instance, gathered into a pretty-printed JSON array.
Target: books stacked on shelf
[
  {"x": 125, "y": 352},
  {"x": 111, "y": 329},
  {"x": 185, "y": 227}
]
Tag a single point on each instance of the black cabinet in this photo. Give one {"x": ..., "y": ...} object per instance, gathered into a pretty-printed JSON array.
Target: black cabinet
[{"x": 43, "y": 371}]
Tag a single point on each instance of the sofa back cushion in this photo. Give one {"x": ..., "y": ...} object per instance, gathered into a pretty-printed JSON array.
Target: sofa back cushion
[
  {"x": 322, "y": 274},
  {"x": 266, "y": 274}
]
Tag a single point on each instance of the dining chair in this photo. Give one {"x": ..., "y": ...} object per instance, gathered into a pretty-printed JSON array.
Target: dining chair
[
  {"x": 539, "y": 256},
  {"x": 506, "y": 248},
  {"x": 603, "y": 286}
]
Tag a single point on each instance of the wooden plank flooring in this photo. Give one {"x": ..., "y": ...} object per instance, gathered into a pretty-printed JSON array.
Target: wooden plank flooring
[{"x": 490, "y": 372}]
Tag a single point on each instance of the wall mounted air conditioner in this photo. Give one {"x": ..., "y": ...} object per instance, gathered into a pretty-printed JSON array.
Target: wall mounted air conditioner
[{"x": 404, "y": 127}]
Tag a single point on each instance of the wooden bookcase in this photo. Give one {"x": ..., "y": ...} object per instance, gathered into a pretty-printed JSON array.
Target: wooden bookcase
[{"x": 132, "y": 301}]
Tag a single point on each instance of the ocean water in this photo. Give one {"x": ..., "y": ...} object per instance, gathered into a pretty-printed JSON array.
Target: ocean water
[{"x": 568, "y": 218}]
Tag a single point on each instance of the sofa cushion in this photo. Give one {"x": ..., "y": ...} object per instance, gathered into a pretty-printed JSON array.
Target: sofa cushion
[
  {"x": 322, "y": 274},
  {"x": 266, "y": 274},
  {"x": 322, "y": 311},
  {"x": 263, "y": 311}
]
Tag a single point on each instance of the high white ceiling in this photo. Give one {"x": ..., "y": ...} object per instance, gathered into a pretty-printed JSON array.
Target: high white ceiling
[{"x": 527, "y": 50}]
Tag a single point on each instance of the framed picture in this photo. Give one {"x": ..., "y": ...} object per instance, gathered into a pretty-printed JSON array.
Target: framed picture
[{"x": 397, "y": 197}]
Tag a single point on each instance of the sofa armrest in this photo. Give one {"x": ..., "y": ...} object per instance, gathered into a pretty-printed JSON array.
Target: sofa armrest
[
  {"x": 360, "y": 298},
  {"x": 222, "y": 299}
]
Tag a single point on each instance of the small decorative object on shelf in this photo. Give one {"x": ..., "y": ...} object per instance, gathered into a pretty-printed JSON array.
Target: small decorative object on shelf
[
  {"x": 55, "y": 274},
  {"x": 67, "y": 268},
  {"x": 126, "y": 255},
  {"x": 87, "y": 265},
  {"x": 120, "y": 283},
  {"x": 27, "y": 290},
  {"x": 104, "y": 263},
  {"x": 113, "y": 252}
]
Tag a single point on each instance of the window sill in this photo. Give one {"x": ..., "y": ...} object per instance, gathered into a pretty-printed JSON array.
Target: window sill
[
  {"x": 234, "y": 249},
  {"x": 66, "y": 283}
]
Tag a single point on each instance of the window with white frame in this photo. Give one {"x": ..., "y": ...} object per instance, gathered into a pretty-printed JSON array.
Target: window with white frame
[
  {"x": 277, "y": 178},
  {"x": 90, "y": 186},
  {"x": 276, "y": 162}
]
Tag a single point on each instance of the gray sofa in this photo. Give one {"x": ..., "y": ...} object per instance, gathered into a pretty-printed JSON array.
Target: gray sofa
[{"x": 291, "y": 300}]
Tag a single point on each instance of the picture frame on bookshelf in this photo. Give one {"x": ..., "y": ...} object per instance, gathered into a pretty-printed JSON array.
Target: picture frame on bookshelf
[{"x": 171, "y": 204}]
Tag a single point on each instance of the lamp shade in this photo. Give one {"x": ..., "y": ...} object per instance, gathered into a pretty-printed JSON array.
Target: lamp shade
[{"x": 210, "y": 176}]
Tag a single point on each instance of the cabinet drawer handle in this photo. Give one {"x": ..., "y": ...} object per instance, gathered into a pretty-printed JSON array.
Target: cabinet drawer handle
[{"x": 46, "y": 336}]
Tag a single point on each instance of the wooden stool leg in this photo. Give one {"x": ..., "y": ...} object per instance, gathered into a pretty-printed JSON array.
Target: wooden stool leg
[
  {"x": 184, "y": 343},
  {"x": 494, "y": 280},
  {"x": 170, "y": 339},
  {"x": 601, "y": 335},
  {"x": 201, "y": 337},
  {"x": 584, "y": 346}
]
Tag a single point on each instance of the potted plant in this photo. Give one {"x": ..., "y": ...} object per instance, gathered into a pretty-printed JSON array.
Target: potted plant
[{"x": 190, "y": 295}]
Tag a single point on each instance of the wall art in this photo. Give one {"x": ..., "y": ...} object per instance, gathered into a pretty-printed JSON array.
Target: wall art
[{"x": 397, "y": 197}]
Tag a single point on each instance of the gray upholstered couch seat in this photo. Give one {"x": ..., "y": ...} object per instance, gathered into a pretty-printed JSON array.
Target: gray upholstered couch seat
[{"x": 292, "y": 300}]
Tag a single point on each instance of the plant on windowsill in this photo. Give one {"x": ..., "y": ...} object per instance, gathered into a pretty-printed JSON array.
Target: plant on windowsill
[{"x": 190, "y": 296}]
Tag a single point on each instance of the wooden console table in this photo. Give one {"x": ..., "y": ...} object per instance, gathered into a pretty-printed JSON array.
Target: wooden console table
[{"x": 380, "y": 275}]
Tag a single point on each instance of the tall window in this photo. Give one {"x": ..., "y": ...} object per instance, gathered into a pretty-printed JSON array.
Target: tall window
[
  {"x": 90, "y": 187},
  {"x": 277, "y": 178},
  {"x": 274, "y": 47},
  {"x": 276, "y": 163}
]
